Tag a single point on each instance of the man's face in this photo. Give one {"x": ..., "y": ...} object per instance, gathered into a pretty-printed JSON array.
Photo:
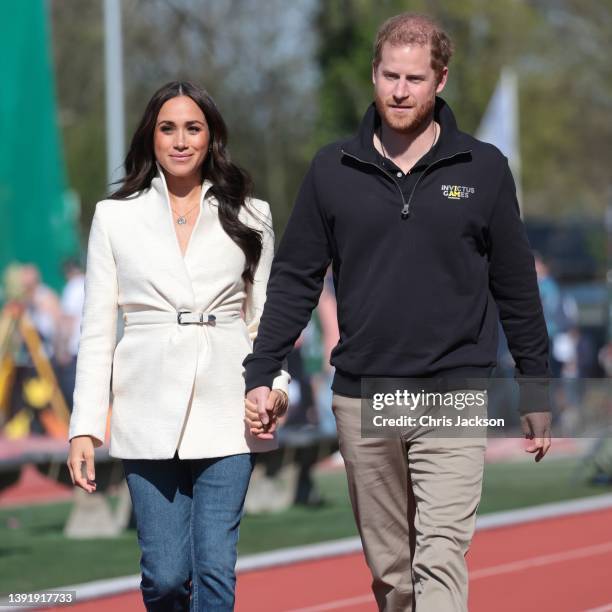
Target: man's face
[{"x": 405, "y": 86}]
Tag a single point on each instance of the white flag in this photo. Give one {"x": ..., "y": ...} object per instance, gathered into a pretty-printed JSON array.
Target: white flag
[{"x": 500, "y": 123}]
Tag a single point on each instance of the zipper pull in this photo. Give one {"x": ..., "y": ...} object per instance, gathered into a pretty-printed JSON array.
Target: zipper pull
[{"x": 405, "y": 211}]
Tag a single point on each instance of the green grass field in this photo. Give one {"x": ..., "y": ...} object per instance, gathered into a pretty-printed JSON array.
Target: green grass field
[{"x": 34, "y": 554}]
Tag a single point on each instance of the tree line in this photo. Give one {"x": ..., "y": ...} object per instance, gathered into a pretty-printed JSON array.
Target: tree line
[{"x": 290, "y": 77}]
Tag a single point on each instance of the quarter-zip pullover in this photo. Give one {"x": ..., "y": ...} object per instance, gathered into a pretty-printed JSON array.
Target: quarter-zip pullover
[{"x": 422, "y": 264}]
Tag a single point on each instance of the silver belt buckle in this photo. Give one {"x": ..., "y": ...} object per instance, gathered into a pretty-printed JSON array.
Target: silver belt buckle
[
  {"x": 211, "y": 319},
  {"x": 179, "y": 318}
]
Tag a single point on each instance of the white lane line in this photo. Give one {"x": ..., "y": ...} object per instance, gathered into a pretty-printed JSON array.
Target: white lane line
[
  {"x": 336, "y": 548},
  {"x": 87, "y": 591},
  {"x": 517, "y": 566},
  {"x": 299, "y": 554},
  {"x": 337, "y": 604},
  {"x": 495, "y": 570},
  {"x": 540, "y": 512},
  {"x": 326, "y": 550}
]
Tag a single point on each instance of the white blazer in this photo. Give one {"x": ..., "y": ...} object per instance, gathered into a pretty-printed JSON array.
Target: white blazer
[{"x": 175, "y": 387}]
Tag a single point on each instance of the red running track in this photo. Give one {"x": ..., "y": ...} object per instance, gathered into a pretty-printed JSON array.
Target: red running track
[{"x": 560, "y": 564}]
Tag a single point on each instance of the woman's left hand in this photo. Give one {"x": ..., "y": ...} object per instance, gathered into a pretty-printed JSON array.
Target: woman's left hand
[{"x": 276, "y": 407}]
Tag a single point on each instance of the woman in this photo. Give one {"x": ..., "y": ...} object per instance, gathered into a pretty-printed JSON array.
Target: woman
[{"x": 185, "y": 253}]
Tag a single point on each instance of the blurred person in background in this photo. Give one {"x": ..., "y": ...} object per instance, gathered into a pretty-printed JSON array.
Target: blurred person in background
[
  {"x": 604, "y": 357},
  {"x": 184, "y": 251},
  {"x": 72, "y": 301},
  {"x": 552, "y": 304},
  {"x": 328, "y": 317},
  {"x": 576, "y": 353},
  {"x": 421, "y": 224},
  {"x": 300, "y": 412},
  {"x": 42, "y": 306}
]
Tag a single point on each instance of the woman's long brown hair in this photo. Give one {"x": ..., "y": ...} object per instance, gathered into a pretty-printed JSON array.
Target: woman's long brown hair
[{"x": 231, "y": 184}]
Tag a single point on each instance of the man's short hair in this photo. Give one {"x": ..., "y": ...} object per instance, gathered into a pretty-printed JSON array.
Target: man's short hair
[{"x": 415, "y": 29}]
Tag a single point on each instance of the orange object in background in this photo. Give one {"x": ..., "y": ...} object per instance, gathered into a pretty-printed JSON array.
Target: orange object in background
[{"x": 54, "y": 426}]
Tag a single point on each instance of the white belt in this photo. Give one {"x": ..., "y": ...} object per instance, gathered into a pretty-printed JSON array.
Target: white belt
[{"x": 183, "y": 317}]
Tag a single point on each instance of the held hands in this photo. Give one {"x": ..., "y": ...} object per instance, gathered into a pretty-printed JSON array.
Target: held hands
[
  {"x": 82, "y": 451},
  {"x": 536, "y": 427},
  {"x": 263, "y": 409}
]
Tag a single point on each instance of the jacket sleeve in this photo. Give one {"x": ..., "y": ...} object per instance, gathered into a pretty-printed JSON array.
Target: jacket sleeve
[
  {"x": 98, "y": 337},
  {"x": 256, "y": 293},
  {"x": 514, "y": 286},
  {"x": 296, "y": 281}
]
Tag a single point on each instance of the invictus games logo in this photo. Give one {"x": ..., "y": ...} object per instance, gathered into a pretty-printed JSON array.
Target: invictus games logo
[{"x": 457, "y": 192}]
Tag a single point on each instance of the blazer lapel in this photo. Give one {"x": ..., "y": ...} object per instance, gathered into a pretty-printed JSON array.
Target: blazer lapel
[{"x": 162, "y": 227}]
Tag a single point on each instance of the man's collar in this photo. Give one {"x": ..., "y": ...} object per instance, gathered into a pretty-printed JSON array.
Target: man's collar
[{"x": 362, "y": 147}]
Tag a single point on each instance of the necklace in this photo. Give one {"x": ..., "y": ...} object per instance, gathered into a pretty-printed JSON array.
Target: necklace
[
  {"x": 433, "y": 142},
  {"x": 182, "y": 219}
]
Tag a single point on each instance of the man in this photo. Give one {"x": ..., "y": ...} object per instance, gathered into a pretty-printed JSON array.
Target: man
[{"x": 421, "y": 224}]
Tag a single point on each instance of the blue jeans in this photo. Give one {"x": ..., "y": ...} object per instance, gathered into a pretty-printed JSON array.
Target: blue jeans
[{"x": 188, "y": 515}]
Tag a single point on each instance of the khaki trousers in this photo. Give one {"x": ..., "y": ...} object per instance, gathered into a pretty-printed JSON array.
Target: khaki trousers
[{"x": 414, "y": 500}]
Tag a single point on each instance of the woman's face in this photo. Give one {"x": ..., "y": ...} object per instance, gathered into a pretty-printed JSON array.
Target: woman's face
[{"x": 181, "y": 137}]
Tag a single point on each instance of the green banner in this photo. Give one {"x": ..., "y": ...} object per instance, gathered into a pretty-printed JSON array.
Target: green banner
[{"x": 37, "y": 218}]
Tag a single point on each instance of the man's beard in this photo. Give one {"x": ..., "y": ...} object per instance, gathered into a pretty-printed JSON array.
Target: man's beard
[{"x": 414, "y": 122}]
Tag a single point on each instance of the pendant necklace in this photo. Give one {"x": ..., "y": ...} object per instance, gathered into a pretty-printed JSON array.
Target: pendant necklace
[{"x": 182, "y": 219}]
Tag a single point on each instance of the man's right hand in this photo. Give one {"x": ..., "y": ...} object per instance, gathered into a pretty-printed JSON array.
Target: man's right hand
[
  {"x": 82, "y": 451},
  {"x": 258, "y": 412}
]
